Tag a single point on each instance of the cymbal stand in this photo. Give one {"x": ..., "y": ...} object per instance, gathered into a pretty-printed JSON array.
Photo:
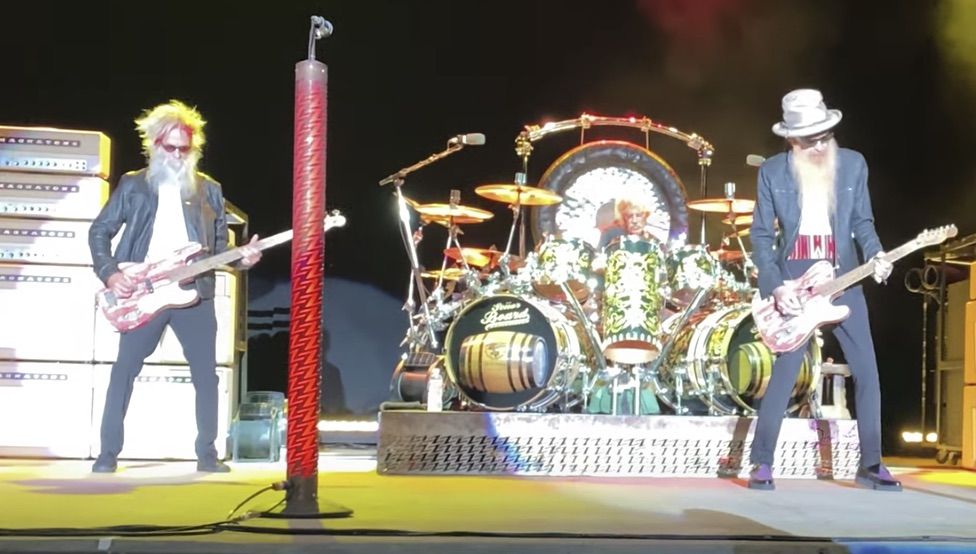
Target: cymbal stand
[
  {"x": 416, "y": 279},
  {"x": 730, "y": 196},
  {"x": 517, "y": 219},
  {"x": 452, "y": 239},
  {"x": 397, "y": 180},
  {"x": 705, "y": 152}
]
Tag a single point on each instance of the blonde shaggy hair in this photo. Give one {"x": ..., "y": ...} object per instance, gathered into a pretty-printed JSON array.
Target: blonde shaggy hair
[{"x": 154, "y": 123}]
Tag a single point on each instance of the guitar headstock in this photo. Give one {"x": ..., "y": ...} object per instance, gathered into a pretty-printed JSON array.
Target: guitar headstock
[
  {"x": 334, "y": 219},
  {"x": 930, "y": 237}
]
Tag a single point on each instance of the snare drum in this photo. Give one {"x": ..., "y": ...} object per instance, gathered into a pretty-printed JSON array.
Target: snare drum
[
  {"x": 567, "y": 261},
  {"x": 690, "y": 267},
  {"x": 725, "y": 367},
  {"x": 634, "y": 279},
  {"x": 507, "y": 352}
]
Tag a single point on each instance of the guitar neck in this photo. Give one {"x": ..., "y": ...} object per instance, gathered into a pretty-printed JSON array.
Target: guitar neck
[
  {"x": 228, "y": 257},
  {"x": 835, "y": 286}
]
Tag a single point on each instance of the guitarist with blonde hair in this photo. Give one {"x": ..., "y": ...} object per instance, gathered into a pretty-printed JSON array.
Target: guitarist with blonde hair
[
  {"x": 164, "y": 207},
  {"x": 818, "y": 195}
]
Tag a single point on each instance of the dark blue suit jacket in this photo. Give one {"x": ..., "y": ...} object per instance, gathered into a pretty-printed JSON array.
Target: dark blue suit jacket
[{"x": 778, "y": 199}]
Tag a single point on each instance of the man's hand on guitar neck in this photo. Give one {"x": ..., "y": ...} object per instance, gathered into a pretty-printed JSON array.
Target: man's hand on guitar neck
[
  {"x": 250, "y": 254},
  {"x": 882, "y": 268},
  {"x": 120, "y": 283},
  {"x": 787, "y": 302}
]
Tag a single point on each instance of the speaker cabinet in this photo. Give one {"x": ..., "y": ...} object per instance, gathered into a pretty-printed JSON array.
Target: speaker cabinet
[{"x": 161, "y": 421}]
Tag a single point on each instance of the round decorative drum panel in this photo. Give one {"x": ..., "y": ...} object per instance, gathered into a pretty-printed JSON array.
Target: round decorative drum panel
[{"x": 594, "y": 177}]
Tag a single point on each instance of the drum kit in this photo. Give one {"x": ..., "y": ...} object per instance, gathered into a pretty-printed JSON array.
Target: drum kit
[{"x": 613, "y": 311}]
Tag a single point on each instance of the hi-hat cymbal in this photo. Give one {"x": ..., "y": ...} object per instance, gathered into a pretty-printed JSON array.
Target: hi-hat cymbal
[
  {"x": 458, "y": 214},
  {"x": 450, "y": 274},
  {"x": 723, "y": 205},
  {"x": 740, "y": 220},
  {"x": 523, "y": 194}
]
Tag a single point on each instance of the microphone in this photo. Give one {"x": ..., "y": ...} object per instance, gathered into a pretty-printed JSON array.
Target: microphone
[
  {"x": 321, "y": 27},
  {"x": 754, "y": 160},
  {"x": 473, "y": 139}
]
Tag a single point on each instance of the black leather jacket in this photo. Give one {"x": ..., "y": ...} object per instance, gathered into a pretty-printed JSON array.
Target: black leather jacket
[{"x": 133, "y": 202}]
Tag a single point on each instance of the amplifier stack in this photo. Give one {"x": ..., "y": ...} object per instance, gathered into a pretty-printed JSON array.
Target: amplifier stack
[{"x": 56, "y": 352}]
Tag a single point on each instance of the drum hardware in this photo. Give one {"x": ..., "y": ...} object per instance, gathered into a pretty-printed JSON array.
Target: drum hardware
[
  {"x": 416, "y": 283},
  {"x": 653, "y": 369},
  {"x": 518, "y": 195},
  {"x": 591, "y": 336}
]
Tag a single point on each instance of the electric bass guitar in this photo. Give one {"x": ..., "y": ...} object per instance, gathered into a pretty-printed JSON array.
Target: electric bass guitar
[
  {"x": 817, "y": 288},
  {"x": 158, "y": 282}
]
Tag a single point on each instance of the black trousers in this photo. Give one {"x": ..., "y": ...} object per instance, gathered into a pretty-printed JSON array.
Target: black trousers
[
  {"x": 196, "y": 328},
  {"x": 854, "y": 336}
]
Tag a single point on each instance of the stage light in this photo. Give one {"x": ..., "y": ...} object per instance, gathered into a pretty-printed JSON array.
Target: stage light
[
  {"x": 932, "y": 437},
  {"x": 911, "y": 436},
  {"x": 354, "y": 426}
]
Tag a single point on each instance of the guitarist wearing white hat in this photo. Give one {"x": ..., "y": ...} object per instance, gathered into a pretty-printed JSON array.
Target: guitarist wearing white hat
[{"x": 818, "y": 195}]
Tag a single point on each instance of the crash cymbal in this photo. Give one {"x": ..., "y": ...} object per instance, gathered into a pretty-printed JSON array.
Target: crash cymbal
[
  {"x": 723, "y": 205},
  {"x": 477, "y": 257},
  {"x": 740, "y": 220},
  {"x": 524, "y": 194},
  {"x": 458, "y": 214},
  {"x": 450, "y": 274}
]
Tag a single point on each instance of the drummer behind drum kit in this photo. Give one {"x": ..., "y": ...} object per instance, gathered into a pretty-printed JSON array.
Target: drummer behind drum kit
[{"x": 600, "y": 317}]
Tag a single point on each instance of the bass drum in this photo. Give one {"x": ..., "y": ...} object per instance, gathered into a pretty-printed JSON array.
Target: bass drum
[
  {"x": 721, "y": 351},
  {"x": 508, "y": 353}
]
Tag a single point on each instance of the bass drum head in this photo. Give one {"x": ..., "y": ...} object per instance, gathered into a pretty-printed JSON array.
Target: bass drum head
[
  {"x": 731, "y": 335},
  {"x": 592, "y": 177},
  {"x": 501, "y": 352}
]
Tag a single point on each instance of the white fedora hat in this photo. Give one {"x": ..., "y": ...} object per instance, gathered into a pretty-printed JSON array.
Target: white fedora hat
[{"x": 805, "y": 114}]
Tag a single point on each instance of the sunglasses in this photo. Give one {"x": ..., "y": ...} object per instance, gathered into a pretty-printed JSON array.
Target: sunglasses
[
  {"x": 810, "y": 142},
  {"x": 173, "y": 148}
]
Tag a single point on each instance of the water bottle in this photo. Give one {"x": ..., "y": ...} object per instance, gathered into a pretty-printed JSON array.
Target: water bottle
[{"x": 435, "y": 390}]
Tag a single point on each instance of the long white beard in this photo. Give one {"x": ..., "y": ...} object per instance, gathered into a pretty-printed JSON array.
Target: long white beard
[
  {"x": 816, "y": 177},
  {"x": 181, "y": 172}
]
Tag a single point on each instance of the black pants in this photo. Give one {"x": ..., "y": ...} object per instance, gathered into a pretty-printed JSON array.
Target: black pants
[
  {"x": 854, "y": 336},
  {"x": 196, "y": 328}
]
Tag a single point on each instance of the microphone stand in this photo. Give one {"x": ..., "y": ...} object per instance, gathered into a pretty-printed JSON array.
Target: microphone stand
[{"x": 397, "y": 179}]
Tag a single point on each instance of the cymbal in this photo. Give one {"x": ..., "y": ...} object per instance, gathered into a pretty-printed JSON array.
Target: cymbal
[
  {"x": 458, "y": 214},
  {"x": 740, "y": 220},
  {"x": 723, "y": 205},
  {"x": 729, "y": 255},
  {"x": 482, "y": 257},
  {"x": 525, "y": 195},
  {"x": 450, "y": 274},
  {"x": 739, "y": 233},
  {"x": 478, "y": 257}
]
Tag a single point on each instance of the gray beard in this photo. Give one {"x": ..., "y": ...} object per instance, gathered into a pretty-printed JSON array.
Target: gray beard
[
  {"x": 817, "y": 178},
  {"x": 162, "y": 172}
]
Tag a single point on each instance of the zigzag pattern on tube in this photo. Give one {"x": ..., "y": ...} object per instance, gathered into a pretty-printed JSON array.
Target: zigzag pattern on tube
[{"x": 308, "y": 210}]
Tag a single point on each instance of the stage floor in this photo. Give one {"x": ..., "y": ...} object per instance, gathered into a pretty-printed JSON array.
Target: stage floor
[{"x": 935, "y": 513}]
